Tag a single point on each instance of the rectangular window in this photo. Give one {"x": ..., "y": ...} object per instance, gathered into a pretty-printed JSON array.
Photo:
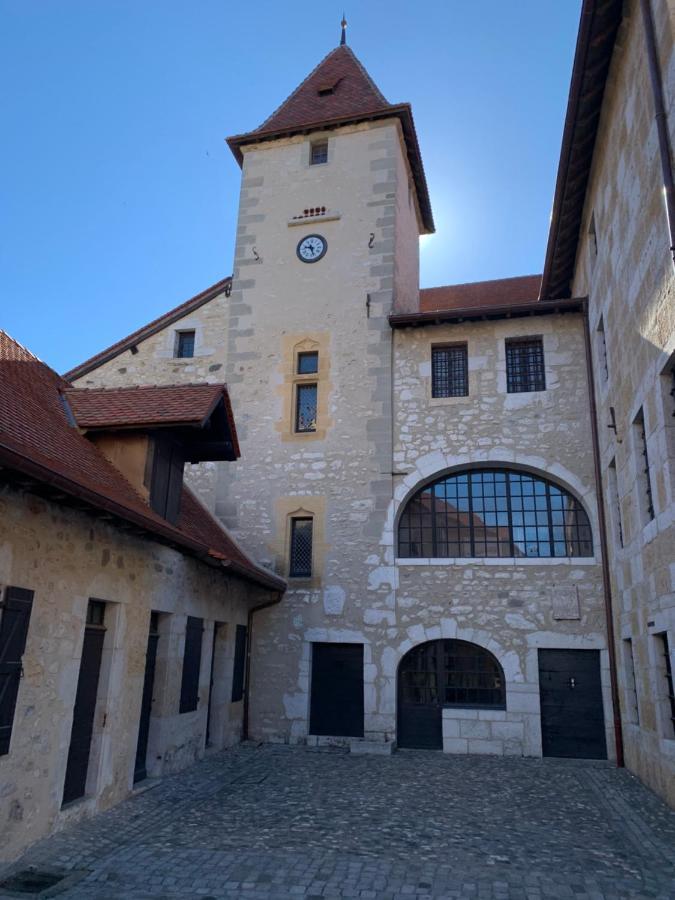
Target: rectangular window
[
  {"x": 185, "y": 344},
  {"x": 602, "y": 349},
  {"x": 192, "y": 658},
  {"x": 301, "y": 548},
  {"x": 449, "y": 371},
  {"x": 308, "y": 363},
  {"x": 632, "y": 711},
  {"x": 15, "y": 616},
  {"x": 305, "y": 407},
  {"x": 615, "y": 504},
  {"x": 239, "y": 663},
  {"x": 644, "y": 479},
  {"x": 667, "y": 681},
  {"x": 525, "y": 365},
  {"x": 318, "y": 153}
]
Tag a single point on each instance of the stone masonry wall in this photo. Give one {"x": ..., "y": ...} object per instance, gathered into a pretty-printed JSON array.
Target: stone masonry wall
[
  {"x": 627, "y": 272},
  {"x": 67, "y": 557}
]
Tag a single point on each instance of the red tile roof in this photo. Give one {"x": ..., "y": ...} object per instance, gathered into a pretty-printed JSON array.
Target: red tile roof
[
  {"x": 339, "y": 91},
  {"x": 148, "y": 330},
  {"x": 500, "y": 292},
  {"x": 147, "y": 406},
  {"x": 38, "y": 439}
]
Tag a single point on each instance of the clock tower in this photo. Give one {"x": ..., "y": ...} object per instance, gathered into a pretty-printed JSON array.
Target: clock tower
[{"x": 333, "y": 201}]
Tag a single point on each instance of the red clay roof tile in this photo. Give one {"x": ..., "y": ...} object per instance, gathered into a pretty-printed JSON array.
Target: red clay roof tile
[{"x": 500, "y": 292}]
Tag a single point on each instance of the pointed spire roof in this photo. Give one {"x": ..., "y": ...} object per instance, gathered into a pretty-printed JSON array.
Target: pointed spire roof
[{"x": 337, "y": 92}]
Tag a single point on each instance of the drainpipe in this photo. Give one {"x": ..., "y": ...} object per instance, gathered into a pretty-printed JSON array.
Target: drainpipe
[
  {"x": 602, "y": 522},
  {"x": 661, "y": 120},
  {"x": 249, "y": 642}
]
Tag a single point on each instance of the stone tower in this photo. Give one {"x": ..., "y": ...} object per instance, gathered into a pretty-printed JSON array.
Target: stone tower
[{"x": 333, "y": 200}]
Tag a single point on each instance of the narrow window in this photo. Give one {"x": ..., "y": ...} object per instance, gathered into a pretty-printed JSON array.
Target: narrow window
[
  {"x": 318, "y": 153},
  {"x": 192, "y": 658},
  {"x": 308, "y": 363},
  {"x": 667, "y": 680},
  {"x": 185, "y": 344},
  {"x": 615, "y": 504},
  {"x": 643, "y": 473},
  {"x": 301, "y": 548},
  {"x": 449, "y": 371},
  {"x": 602, "y": 349},
  {"x": 525, "y": 365},
  {"x": 239, "y": 663},
  {"x": 305, "y": 408},
  {"x": 632, "y": 710},
  {"x": 15, "y": 616},
  {"x": 593, "y": 238}
]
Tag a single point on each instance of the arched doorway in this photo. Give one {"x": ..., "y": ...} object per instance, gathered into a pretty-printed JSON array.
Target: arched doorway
[{"x": 444, "y": 673}]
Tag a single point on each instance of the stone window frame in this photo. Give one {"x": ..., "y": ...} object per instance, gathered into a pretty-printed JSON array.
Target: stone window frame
[
  {"x": 644, "y": 482},
  {"x": 300, "y": 507},
  {"x": 292, "y": 348},
  {"x": 457, "y": 398},
  {"x": 523, "y": 340},
  {"x": 318, "y": 137},
  {"x": 667, "y": 394}
]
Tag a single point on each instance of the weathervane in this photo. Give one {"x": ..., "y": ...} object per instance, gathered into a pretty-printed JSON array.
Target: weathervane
[{"x": 343, "y": 39}]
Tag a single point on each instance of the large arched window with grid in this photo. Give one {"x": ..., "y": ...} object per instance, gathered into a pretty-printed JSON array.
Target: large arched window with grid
[{"x": 493, "y": 513}]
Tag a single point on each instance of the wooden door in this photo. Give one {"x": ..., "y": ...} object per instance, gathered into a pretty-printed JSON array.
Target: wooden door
[
  {"x": 336, "y": 706},
  {"x": 420, "y": 724},
  {"x": 140, "y": 771}
]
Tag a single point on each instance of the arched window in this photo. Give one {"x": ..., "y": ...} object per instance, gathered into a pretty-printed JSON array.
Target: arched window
[
  {"x": 451, "y": 673},
  {"x": 493, "y": 512}
]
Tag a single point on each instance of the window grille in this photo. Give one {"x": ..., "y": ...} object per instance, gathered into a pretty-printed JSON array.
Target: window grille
[
  {"x": 308, "y": 363},
  {"x": 185, "y": 344},
  {"x": 192, "y": 658},
  {"x": 645, "y": 478},
  {"x": 525, "y": 365},
  {"x": 305, "y": 408},
  {"x": 449, "y": 371},
  {"x": 668, "y": 672},
  {"x": 318, "y": 153},
  {"x": 452, "y": 673},
  {"x": 301, "y": 548},
  {"x": 493, "y": 513}
]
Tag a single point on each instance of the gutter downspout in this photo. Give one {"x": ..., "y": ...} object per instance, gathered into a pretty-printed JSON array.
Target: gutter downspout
[
  {"x": 606, "y": 583},
  {"x": 249, "y": 642},
  {"x": 661, "y": 120}
]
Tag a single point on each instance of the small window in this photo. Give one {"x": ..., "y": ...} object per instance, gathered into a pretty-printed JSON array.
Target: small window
[
  {"x": 14, "y": 620},
  {"x": 305, "y": 408},
  {"x": 96, "y": 612},
  {"x": 644, "y": 479},
  {"x": 665, "y": 666},
  {"x": 318, "y": 153},
  {"x": 614, "y": 501},
  {"x": 632, "y": 711},
  {"x": 525, "y": 365},
  {"x": 592, "y": 238},
  {"x": 192, "y": 658},
  {"x": 239, "y": 670},
  {"x": 602, "y": 349},
  {"x": 308, "y": 363},
  {"x": 301, "y": 548},
  {"x": 185, "y": 344},
  {"x": 449, "y": 371}
]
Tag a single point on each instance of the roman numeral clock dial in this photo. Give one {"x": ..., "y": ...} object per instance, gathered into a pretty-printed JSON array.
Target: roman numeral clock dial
[{"x": 312, "y": 248}]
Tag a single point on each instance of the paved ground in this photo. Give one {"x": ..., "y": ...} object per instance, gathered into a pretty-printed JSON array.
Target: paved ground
[{"x": 275, "y": 822}]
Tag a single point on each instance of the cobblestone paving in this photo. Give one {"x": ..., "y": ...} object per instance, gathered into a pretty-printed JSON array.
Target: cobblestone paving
[{"x": 278, "y": 822}]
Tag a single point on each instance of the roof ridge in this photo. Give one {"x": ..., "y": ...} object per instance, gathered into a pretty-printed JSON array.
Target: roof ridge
[
  {"x": 21, "y": 346},
  {"x": 145, "y": 387}
]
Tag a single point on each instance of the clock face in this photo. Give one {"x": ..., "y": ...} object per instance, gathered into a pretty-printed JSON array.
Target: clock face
[{"x": 312, "y": 248}]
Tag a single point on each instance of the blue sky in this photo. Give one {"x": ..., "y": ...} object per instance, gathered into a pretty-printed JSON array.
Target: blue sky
[{"x": 118, "y": 195}]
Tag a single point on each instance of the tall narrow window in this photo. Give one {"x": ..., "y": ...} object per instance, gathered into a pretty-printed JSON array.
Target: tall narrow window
[
  {"x": 602, "y": 349},
  {"x": 525, "y": 365},
  {"x": 615, "y": 504},
  {"x": 185, "y": 344},
  {"x": 192, "y": 658},
  {"x": 667, "y": 680},
  {"x": 449, "y": 371},
  {"x": 632, "y": 710},
  {"x": 644, "y": 479},
  {"x": 592, "y": 238},
  {"x": 301, "y": 548},
  {"x": 239, "y": 670},
  {"x": 305, "y": 407},
  {"x": 318, "y": 153},
  {"x": 14, "y": 619}
]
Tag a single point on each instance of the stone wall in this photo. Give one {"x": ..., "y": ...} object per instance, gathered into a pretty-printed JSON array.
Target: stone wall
[
  {"x": 627, "y": 271},
  {"x": 67, "y": 557}
]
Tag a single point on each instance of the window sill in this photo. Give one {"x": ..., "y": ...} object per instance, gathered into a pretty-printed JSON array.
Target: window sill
[{"x": 497, "y": 561}]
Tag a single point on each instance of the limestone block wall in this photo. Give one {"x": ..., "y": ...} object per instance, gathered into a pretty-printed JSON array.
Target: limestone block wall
[
  {"x": 67, "y": 557},
  {"x": 626, "y": 269}
]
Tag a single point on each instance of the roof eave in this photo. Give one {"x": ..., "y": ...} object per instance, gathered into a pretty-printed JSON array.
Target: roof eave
[{"x": 473, "y": 313}]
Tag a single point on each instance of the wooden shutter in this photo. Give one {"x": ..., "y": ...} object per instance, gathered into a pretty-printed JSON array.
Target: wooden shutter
[
  {"x": 239, "y": 663},
  {"x": 16, "y": 612},
  {"x": 192, "y": 658}
]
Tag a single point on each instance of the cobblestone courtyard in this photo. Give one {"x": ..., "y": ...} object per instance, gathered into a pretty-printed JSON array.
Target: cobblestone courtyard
[{"x": 278, "y": 822}]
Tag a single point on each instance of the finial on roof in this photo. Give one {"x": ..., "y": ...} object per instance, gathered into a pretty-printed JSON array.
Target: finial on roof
[{"x": 343, "y": 39}]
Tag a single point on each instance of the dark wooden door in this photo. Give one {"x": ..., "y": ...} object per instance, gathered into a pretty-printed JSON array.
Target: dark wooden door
[
  {"x": 336, "y": 706},
  {"x": 83, "y": 713},
  {"x": 140, "y": 771},
  {"x": 572, "y": 716},
  {"x": 420, "y": 724}
]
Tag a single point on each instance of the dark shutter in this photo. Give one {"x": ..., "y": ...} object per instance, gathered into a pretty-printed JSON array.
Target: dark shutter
[
  {"x": 13, "y": 632},
  {"x": 189, "y": 689},
  {"x": 239, "y": 663},
  {"x": 167, "y": 478}
]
